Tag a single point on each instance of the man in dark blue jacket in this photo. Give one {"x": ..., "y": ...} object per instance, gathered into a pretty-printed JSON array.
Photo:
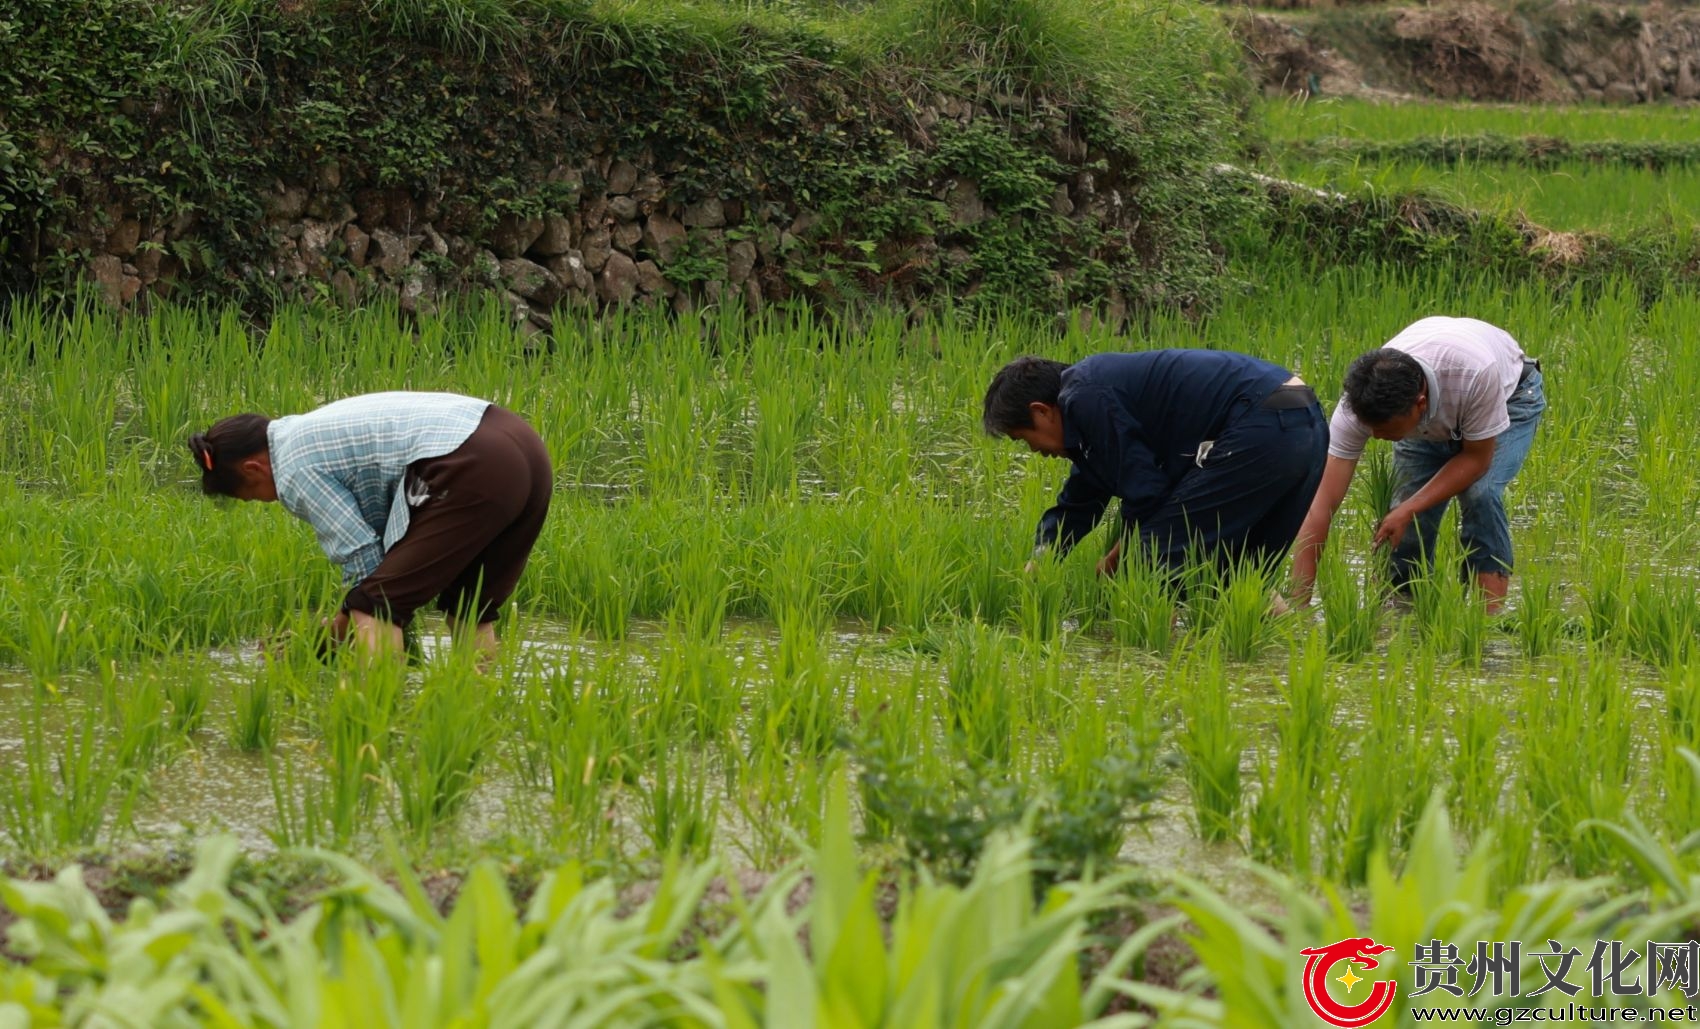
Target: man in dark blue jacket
[{"x": 1206, "y": 449}]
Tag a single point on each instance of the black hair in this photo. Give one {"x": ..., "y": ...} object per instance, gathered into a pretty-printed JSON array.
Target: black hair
[
  {"x": 218, "y": 451},
  {"x": 1383, "y": 384},
  {"x": 1023, "y": 381}
]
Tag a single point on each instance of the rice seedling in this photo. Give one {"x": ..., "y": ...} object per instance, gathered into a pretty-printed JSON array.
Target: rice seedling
[
  {"x": 1394, "y": 770},
  {"x": 1212, "y": 744},
  {"x": 975, "y": 701},
  {"x": 1605, "y": 592},
  {"x": 1572, "y": 196},
  {"x": 1538, "y": 616},
  {"x": 186, "y": 699},
  {"x": 446, "y": 738},
  {"x": 1234, "y": 606},
  {"x": 701, "y": 686},
  {"x": 138, "y": 712},
  {"x": 1478, "y": 770},
  {"x": 1663, "y": 618},
  {"x": 1578, "y": 755},
  {"x": 1352, "y": 603},
  {"x": 355, "y": 719},
  {"x": 69, "y": 785},
  {"x": 678, "y": 812},
  {"x": 1348, "y": 117},
  {"x": 697, "y": 579},
  {"x": 1042, "y": 602},
  {"x": 828, "y": 481},
  {"x": 1144, "y": 606},
  {"x": 1450, "y": 612},
  {"x": 254, "y": 713},
  {"x": 1293, "y": 765}
]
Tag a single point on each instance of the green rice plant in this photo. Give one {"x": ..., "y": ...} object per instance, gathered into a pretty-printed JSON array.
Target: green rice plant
[
  {"x": 1663, "y": 618},
  {"x": 1539, "y": 613},
  {"x": 585, "y": 745},
  {"x": 900, "y": 516},
  {"x": 701, "y": 685},
  {"x": 1524, "y": 856},
  {"x": 1042, "y": 603},
  {"x": 907, "y": 574},
  {"x": 186, "y": 697},
  {"x": 1478, "y": 769},
  {"x": 1293, "y": 768},
  {"x": 798, "y": 707},
  {"x": 895, "y": 713},
  {"x": 1212, "y": 744},
  {"x": 782, "y": 418},
  {"x": 779, "y": 801},
  {"x": 139, "y": 713},
  {"x": 677, "y": 810},
  {"x": 976, "y": 700},
  {"x": 355, "y": 721},
  {"x": 68, "y": 785},
  {"x": 1606, "y": 591},
  {"x": 1527, "y": 151},
  {"x": 607, "y": 593},
  {"x": 1375, "y": 473},
  {"x": 1382, "y": 789},
  {"x": 1573, "y": 196},
  {"x": 1234, "y": 607},
  {"x": 446, "y": 737},
  {"x": 1451, "y": 615},
  {"x": 1578, "y": 755},
  {"x": 792, "y": 582},
  {"x": 298, "y": 809},
  {"x": 1352, "y": 602},
  {"x": 254, "y": 712},
  {"x": 1144, "y": 605},
  {"x": 988, "y": 583},
  {"x": 697, "y": 579},
  {"x": 1352, "y": 118},
  {"x": 52, "y": 642}
]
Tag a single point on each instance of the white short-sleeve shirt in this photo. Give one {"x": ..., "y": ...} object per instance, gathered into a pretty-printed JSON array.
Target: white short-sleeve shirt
[{"x": 1472, "y": 369}]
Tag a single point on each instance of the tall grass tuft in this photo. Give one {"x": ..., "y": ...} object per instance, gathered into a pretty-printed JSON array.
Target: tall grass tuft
[
  {"x": 446, "y": 738},
  {"x": 1212, "y": 744}
]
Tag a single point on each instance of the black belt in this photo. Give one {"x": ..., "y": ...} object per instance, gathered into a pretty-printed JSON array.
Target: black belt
[
  {"x": 1287, "y": 397},
  {"x": 1528, "y": 363}
]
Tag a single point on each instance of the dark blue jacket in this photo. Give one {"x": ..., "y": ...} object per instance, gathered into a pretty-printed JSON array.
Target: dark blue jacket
[{"x": 1132, "y": 424}]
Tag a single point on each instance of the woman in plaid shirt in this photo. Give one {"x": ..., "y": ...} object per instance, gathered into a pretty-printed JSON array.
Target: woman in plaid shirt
[{"x": 415, "y": 495}]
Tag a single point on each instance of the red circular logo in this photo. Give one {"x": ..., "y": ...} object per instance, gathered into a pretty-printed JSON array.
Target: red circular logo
[{"x": 1354, "y": 951}]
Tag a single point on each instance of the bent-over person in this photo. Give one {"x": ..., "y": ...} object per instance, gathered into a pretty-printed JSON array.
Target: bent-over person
[
  {"x": 1461, "y": 402},
  {"x": 1208, "y": 451},
  {"x": 416, "y": 495}
]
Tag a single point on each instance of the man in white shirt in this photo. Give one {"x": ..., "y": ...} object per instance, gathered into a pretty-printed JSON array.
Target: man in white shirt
[{"x": 1461, "y": 401}]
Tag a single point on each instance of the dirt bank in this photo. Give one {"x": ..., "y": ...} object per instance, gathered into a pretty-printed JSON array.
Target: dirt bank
[{"x": 1562, "y": 53}]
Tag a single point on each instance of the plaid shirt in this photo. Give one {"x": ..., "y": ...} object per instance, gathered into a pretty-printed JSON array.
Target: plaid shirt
[{"x": 341, "y": 467}]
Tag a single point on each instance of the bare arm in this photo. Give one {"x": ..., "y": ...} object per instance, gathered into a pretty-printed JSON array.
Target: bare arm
[
  {"x": 1454, "y": 477},
  {"x": 1313, "y": 532}
]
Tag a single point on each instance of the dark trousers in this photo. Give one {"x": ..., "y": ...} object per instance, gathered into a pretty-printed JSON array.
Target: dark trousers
[
  {"x": 1247, "y": 499},
  {"x": 467, "y": 544}
]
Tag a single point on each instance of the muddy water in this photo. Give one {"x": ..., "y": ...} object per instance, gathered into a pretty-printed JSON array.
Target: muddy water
[{"x": 212, "y": 787}]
